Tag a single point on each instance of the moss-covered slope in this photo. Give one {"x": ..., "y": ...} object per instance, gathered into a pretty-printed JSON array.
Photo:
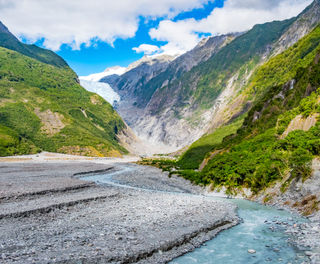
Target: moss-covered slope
[{"x": 43, "y": 107}]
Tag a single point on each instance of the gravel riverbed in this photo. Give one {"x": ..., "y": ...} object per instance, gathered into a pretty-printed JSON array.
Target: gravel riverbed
[{"x": 48, "y": 214}]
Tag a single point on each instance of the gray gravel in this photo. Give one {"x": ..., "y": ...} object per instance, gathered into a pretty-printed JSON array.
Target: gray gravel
[
  {"x": 47, "y": 216},
  {"x": 307, "y": 235},
  {"x": 151, "y": 178},
  {"x": 297, "y": 199}
]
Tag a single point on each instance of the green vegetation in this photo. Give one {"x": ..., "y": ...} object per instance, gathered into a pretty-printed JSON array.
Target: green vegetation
[
  {"x": 206, "y": 81},
  {"x": 284, "y": 67},
  {"x": 43, "y": 107},
  {"x": 196, "y": 153},
  {"x": 257, "y": 154},
  {"x": 9, "y": 41},
  {"x": 277, "y": 98},
  {"x": 245, "y": 49}
]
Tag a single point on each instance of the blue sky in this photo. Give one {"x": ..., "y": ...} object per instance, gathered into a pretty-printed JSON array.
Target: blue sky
[
  {"x": 96, "y": 34},
  {"x": 102, "y": 55}
]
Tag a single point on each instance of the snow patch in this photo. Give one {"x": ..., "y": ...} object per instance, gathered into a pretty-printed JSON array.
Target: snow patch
[
  {"x": 109, "y": 71},
  {"x": 102, "y": 89}
]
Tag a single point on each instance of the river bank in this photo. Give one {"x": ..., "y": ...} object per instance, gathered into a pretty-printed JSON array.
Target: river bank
[
  {"x": 50, "y": 188},
  {"x": 48, "y": 214}
]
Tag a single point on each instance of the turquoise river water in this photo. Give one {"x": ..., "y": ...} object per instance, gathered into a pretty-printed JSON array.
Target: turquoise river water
[{"x": 262, "y": 229}]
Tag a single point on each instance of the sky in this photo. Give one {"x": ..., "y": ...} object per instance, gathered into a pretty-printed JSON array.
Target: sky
[{"x": 92, "y": 35}]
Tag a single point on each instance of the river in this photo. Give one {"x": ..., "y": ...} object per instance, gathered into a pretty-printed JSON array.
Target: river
[{"x": 262, "y": 230}]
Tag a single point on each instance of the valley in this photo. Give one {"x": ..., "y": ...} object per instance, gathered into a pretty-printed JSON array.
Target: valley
[{"x": 176, "y": 158}]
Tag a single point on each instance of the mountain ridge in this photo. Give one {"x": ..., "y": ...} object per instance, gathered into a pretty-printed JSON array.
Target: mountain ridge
[
  {"x": 43, "y": 107},
  {"x": 214, "y": 99},
  {"x": 9, "y": 41}
]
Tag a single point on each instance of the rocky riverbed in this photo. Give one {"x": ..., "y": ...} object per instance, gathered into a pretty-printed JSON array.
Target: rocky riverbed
[
  {"x": 48, "y": 214},
  {"x": 301, "y": 197}
]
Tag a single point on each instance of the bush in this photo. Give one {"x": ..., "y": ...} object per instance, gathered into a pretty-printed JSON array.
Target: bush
[{"x": 300, "y": 162}]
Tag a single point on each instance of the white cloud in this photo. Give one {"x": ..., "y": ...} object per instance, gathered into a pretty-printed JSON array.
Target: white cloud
[
  {"x": 75, "y": 22},
  {"x": 178, "y": 35},
  {"x": 235, "y": 16},
  {"x": 147, "y": 49}
]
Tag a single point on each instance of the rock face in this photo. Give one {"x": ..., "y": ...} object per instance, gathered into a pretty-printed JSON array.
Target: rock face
[
  {"x": 300, "y": 123},
  {"x": 139, "y": 89},
  {"x": 305, "y": 22},
  {"x": 302, "y": 196},
  {"x": 131, "y": 84},
  {"x": 174, "y": 103}
]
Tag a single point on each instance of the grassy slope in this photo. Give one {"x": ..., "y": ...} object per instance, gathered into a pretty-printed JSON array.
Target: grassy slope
[
  {"x": 196, "y": 153},
  {"x": 9, "y": 41},
  {"x": 27, "y": 84}
]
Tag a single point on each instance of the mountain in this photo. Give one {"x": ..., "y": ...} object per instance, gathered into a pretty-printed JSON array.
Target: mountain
[
  {"x": 270, "y": 152},
  {"x": 195, "y": 94},
  {"x": 138, "y": 85},
  {"x": 116, "y": 70},
  {"x": 306, "y": 21},
  {"x": 9, "y": 41},
  {"x": 43, "y": 107},
  {"x": 131, "y": 85},
  {"x": 240, "y": 102}
]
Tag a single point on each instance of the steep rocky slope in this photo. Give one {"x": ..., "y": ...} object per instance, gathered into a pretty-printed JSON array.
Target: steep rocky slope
[
  {"x": 196, "y": 95},
  {"x": 138, "y": 85},
  {"x": 43, "y": 107},
  {"x": 239, "y": 102},
  {"x": 271, "y": 153},
  {"x": 203, "y": 89},
  {"x": 131, "y": 85}
]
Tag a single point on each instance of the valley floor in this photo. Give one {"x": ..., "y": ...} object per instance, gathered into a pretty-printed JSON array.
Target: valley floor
[
  {"x": 52, "y": 211},
  {"x": 49, "y": 214}
]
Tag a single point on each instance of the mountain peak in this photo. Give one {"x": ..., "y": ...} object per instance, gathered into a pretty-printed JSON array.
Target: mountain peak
[{"x": 150, "y": 60}]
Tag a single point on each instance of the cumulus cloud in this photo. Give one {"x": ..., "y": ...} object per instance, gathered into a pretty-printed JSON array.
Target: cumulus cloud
[
  {"x": 82, "y": 22},
  {"x": 147, "y": 49},
  {"x": 178, "y": 35},
  {"x": 235, "y": 16}
]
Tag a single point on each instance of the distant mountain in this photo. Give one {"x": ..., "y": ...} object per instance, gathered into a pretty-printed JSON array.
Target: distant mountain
[
  {"x": 203, "y": 89},
  {"x": 117, "y": 70},
  {"x": 43, "y": 107},
  {"x": 146, "y": 76},
  {"x": 131, "y": 86}
]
